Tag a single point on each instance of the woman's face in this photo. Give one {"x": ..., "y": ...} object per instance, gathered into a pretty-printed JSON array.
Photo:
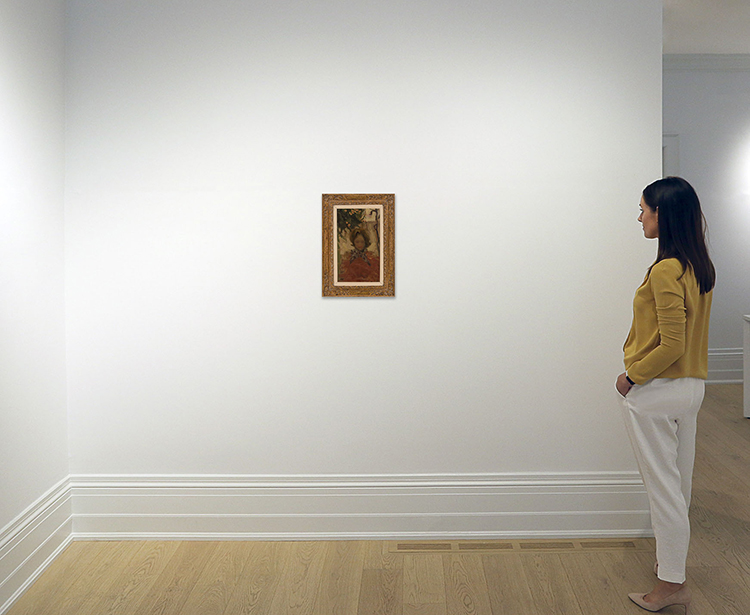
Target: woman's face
[
  {"x": 359, "y": 242},
  {"x": 649, "y": 218}
]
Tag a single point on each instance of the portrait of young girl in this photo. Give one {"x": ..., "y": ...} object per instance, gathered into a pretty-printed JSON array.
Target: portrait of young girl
[{"x": 358, "y": 250}]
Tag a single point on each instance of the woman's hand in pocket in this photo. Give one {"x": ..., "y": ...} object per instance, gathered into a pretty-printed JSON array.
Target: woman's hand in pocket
[{"x": 622, "y": 385}]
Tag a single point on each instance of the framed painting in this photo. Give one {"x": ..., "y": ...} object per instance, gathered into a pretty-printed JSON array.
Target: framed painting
[{"x": 358, "y": 250}]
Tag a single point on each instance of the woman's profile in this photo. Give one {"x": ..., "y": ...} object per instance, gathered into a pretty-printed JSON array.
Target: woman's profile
[{"x": 666, "y": 363}]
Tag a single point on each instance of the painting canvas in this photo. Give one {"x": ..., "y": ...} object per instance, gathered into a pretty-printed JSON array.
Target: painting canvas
[{"x": 358, "y": 245}]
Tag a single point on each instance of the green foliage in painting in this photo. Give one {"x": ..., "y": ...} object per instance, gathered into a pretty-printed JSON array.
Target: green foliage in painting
[{"x": 349, "y": 219}]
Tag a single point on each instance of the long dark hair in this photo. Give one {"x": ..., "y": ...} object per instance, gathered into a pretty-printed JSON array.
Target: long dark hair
[{"x": 682, "y": 228}]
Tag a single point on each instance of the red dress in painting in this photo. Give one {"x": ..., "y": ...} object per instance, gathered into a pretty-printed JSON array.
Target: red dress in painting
[{"x": 359, "y": 266}]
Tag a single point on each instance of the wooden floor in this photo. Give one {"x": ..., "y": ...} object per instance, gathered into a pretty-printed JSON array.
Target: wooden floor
[{"x": 558, "y": 577}]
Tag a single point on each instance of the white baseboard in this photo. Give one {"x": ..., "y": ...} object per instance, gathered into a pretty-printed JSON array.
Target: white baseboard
[
  {"x": 32, "y": 541},
  {"x": 707, "y": 61},
  {"x": 359, "y": 507},
  {"x": 725, "y": 366}
]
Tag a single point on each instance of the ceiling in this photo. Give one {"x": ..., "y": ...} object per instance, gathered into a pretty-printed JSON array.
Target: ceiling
[{"x": 707, "y": 26}]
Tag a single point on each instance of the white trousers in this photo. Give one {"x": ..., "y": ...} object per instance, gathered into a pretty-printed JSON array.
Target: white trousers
[{"x": 660, "y": 417}]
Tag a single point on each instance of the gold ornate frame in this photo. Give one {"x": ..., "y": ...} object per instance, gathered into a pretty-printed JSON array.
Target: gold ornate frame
[{"x": 384, "y": 204}]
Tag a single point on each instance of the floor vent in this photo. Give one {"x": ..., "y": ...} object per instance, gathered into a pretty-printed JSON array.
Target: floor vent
[
  {"x": 523, "y": 546},
  {"x": 484, "y": 546},
  {"x": 547, "y": 546},
  {"x": 424, "y": 546},
  {"x": 627, "y": 545}
]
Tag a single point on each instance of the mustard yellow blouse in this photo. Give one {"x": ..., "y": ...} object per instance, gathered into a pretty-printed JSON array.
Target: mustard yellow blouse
[{"x": 669, "y": 334}]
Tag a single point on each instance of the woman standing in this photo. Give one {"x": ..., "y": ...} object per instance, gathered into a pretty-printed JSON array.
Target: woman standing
[{"x": 666, "y": 362}]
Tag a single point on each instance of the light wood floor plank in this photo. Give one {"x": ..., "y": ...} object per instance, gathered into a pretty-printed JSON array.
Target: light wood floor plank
[
  {"x": 172, "y": 589},
  {"x": 341, "y": 580},
  {"x": 549, "y": 585},
  {"x": 381, "y": 592},
  {"x": 465, "y": 585},
  {"x": 425, "y": 609},
  {"x": 424, "y": 583},
  {"x": 259, "y": 581},
  {"x": 219, "y": 579},
  {"x": 725, "y": 402},
  {"x": 715, "y": 475},
  {"x": 721, "y": 590},
  {"x": 110, "y": 558},
  {"x": 592, "y": 585},
  {"x": 625, "y": 572},
  {"x": 379, "y": 557},
  {"x": 703, "y": 551},
  {"x": 700, "y": 603},
  {"x": 508, "y": 587},
  {"x": 726, "y": 444},
  {"x": 128, "y": 588},
  {"x": 724, "y": 535},
  {"x": 301, "y": 579}
]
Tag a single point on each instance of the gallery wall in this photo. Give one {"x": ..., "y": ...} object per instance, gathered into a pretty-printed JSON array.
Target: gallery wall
[
  {"x": 33, "y": 422},
  {"x": 200, "y": 138},
  {"x": 707, "y": 113},
  {"x": 35, "y": 507}
]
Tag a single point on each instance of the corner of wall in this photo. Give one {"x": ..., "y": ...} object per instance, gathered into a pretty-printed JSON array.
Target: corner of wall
[{"x": 33, "y": 540}]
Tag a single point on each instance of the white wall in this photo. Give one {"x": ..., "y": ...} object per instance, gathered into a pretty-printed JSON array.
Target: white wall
[
  {"x": 33, "y": 424},
  {"x": 707, "y": 104},
  {"x": 200, "y": 136},
  {"x": 35, "y": 510}
]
